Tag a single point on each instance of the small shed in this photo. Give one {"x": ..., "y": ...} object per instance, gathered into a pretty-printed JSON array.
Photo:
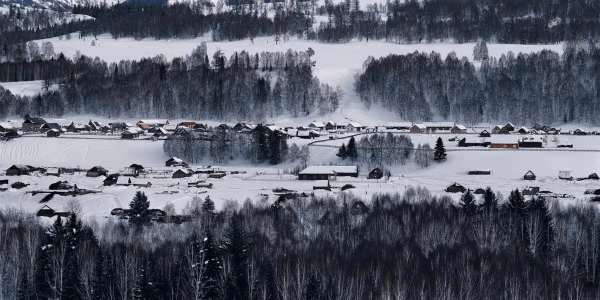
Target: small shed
[
  {"x": 531, "y": 191},
  {"x": 479, "y": 191},
  {"x": 52, "y": 133},
  {"x": 509, "y": 127},
  {"x": 455, "y": 188},
  {"x": 18, "y": 185},
  {"x": 484, "y": 133},
  {"x": 376, "y": 174},
  {"x": 529, "y": 175},
  {"x": 524, "y": 130},
  {"x": 129, "y": 171},
  {"x": 593, "y": 176},
  {"x": 18, "y": 170},
  {"x": 182, "y": 173},
  {"x": 111, "y": 179},
  {"x": 53, "y": 172},
  {"x": 139, "y": 168},
  {"x": 97, "y": 171},
  {"x": 565, "y": 175},
  {"x": 497, "y": 129},
  {"x": 175, "y": 162},
  {"x": 480, "y": 172}
]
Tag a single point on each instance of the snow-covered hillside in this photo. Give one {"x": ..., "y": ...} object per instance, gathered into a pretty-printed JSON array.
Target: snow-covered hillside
[{"x": 336, "y": 64}]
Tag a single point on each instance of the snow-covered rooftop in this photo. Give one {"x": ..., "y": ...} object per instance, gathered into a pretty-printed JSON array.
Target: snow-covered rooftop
[
  {"x": 398, "y": 124},
  {"x": 329, "y": 169}
]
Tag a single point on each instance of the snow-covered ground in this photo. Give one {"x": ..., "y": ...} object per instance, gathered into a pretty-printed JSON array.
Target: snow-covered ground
[
  {"x": 507, "y": 169},
  {"x": 26, "y": 88}
]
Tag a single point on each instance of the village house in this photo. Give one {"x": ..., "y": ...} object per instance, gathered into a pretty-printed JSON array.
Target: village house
[
  {"x": 175, "y": 162},
  {"x": 19, "y": 170},
  {"x": 438, "y": 126},
  {"x": 324, "y": 172},
  {"x": 504, "y": 142},
  {"x": 33, "y": 124},
  {"x": 398, "y": 125},
  {"x": 524, "y": 130},
  {"x": 46, "y": 211},
  {"x": 531, "y": 142},
  {"x": 376, "y": 174},
  {"x": 96, "y": 172},
  {"x": 509, "y": 127},
  {"x": 497, "y": 129},
  {"x": 76, "y": 128},
  {"x": 131, "y": 133},
  {"x": 418, "y": 128},
  {"x": 94, "y": 125},
  {"x": 187, "y": 124},
  {"x": 330, "y": 126},
  {"x": 7, "y": 127},
  {"x": 354, "y": 127},
  {"x": 182, "y": 173},
  {"x": 473, "y": 143},
  {"x": 49, "y": 126},
  {"x": 153, "y": 123},
  {"x": 580, "y": 131},
  {"x": 200, "y": 127},
  {"x": 161, "y": 132},
  {"x": 316, "y": 125},
  {"x": 458, "y": 129}
]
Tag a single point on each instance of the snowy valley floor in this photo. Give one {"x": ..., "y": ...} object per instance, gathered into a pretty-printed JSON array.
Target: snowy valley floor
[{"x": 507, "y": 168}]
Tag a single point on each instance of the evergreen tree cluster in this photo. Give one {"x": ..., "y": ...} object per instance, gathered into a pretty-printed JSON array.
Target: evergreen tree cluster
[
  {"x": 541, "y": 87},
  {"x": 221, "y": 146},
  {"x": 193, "y": 87},
  {"x": 486, "y": 246}
]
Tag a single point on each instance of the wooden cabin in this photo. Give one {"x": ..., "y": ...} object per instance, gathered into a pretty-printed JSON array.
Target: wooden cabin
[
  {"x": 19, "y": 170},
  {"x": 455, "y": 188},
  {"x": 376, "y": 174},
  {"x": 97, "y": 171},
  {"x": 529, "y": 175}
]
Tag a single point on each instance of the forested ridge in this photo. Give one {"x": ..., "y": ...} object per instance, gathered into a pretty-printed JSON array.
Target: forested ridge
[
  {"x": 409, "y": 246},
  {"x": 542, "y": 87},
  {"x": 505, "y": 21},
  {"x": 243, "y": 86}
]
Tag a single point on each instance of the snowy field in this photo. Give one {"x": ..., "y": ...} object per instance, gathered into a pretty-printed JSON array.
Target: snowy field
[
  {"x": 336, "y": 64},
  {"x": 507, "y": 169},
  {"x": 26, "y": 88}
]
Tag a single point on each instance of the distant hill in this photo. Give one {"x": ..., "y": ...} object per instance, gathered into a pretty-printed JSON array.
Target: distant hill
[{"x": 60, "y": 5}]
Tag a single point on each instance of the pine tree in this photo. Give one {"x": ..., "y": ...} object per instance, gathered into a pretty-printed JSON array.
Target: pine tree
[
  {"x": 275, "y": 147},
  {"x": 100, "y": 285},
  {"x": 351, "y": 150},
  {"x": 43, "y": 275},
  {"x": 238, "y": 248},
  {"x": 342, "y": 153},
  {"x": 490, "y": 202},
  {"x": 467, "y": 203},
  {"x": 24, "y": 290},
  {"x": 140, "y": 215},
  {"x": 313, "y": 288},
  {"x": 208, "y": 206},
  {"x": 72, "y": 286},
  {"x": 211, "y": 275},
  {"x": 440, "y": 151}
]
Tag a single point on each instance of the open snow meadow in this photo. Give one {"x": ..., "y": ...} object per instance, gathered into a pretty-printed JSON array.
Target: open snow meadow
[{"x": 256, "y": 182}]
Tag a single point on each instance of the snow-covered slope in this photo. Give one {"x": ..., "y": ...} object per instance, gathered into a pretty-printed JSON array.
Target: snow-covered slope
[
  {"x": 61, "y": 5},
  {"x": 336, "y": 64}
]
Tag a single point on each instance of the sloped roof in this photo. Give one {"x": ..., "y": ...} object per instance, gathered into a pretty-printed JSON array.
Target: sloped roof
[
  {"x": 420, "y": 126},
  {"x": 329, "y": 169},
  {"x": 461, "y": 127},
  {"x": 316, "y": 124},
  {"x": 438, "y": 124},
  {"x": 398, "y": 124}
]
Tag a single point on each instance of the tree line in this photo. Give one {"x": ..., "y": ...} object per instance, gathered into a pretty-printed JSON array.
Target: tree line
[
  {"x": 541, "y": 87},
  {"x": 193, "y": 87},
  {"x": 261, "y": 145},
  {"x": 410, "y": 246}
]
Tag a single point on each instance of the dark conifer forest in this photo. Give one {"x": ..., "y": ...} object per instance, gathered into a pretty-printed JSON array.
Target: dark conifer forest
[
  {"x": 243, "y": 86},
  {"x": 541, "y": 87},
  {"x": 409, "y": 246}
]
